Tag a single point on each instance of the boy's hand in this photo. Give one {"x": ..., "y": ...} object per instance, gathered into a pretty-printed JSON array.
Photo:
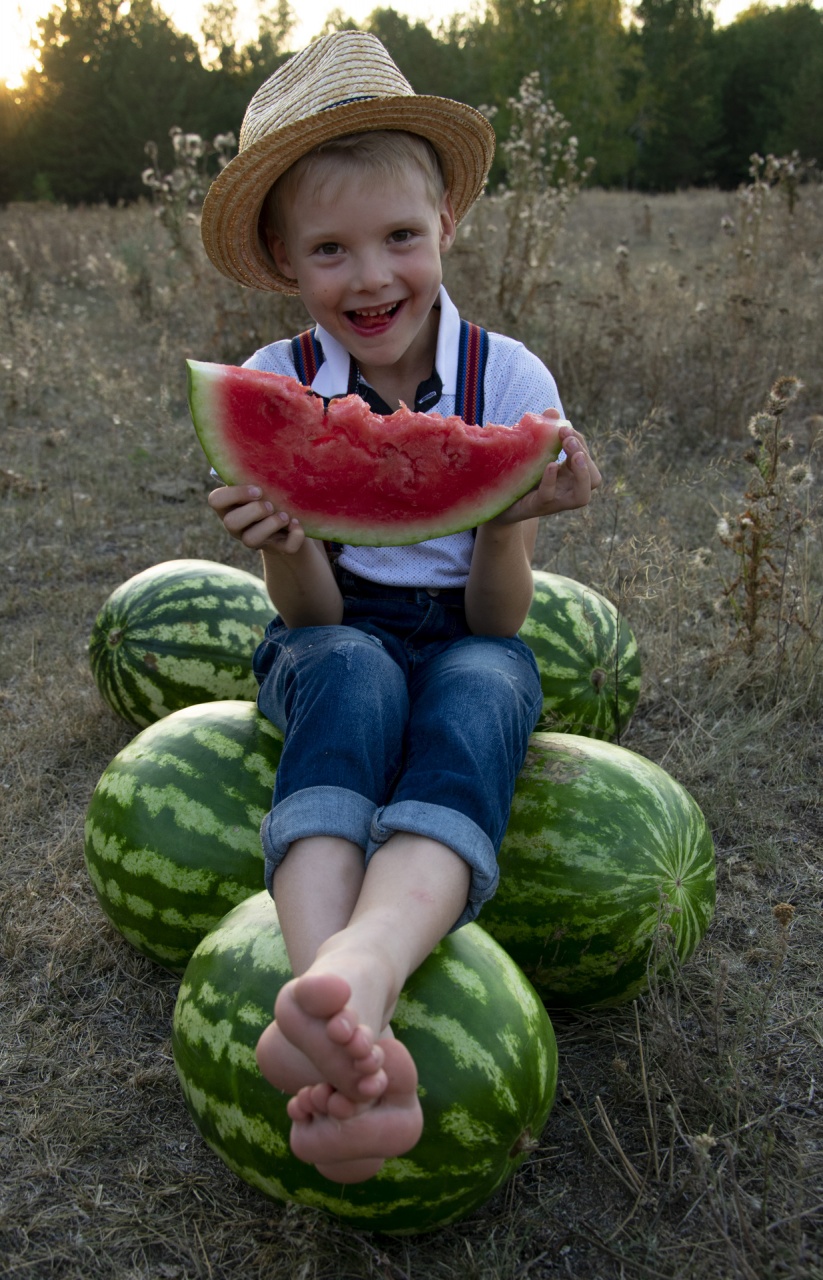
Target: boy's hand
[
  {"x": 565, "y": 486},
  {"x": 253, "y": 521}
]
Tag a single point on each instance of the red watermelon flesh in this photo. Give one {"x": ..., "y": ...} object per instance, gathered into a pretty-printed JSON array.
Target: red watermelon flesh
[{"x": 353, "y": 476}]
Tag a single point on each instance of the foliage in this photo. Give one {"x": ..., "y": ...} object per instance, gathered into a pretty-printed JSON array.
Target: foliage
[
  {"x": 768, "y": 67},
  {"x": 686, "y": 1140},
  {"x": 676, "y": 126},
  {"x": 513, "y": 234},
  {"x": 662, "y": 102},
  {"x": 179, "y": 194},
  {"x": 766, "y": 535},
  {"x": 542, "y": 176},
  {"x": 110, "y": 76}
]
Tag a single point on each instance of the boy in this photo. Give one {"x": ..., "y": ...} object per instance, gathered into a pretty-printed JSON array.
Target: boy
[{"x": 404, "y": 693}]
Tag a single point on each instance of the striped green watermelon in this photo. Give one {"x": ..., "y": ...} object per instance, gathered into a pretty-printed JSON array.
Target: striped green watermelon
[
  {"x": 177, "y": 634},
  {"x": 606, "y": 864},
  {"x": 483, "y": 1045},
  {"x": 587, "y": 656},
  {"x": 172, "y": 837},
  {"x": 352, "y": 475}
]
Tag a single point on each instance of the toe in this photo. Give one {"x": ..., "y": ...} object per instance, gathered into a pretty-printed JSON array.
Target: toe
[
  {"x": 321, "y": 995},
  {"x": 373, "y": 1085},
  {"x": 299, "y": 1108},
  {"x": 344, "y": 1171}
]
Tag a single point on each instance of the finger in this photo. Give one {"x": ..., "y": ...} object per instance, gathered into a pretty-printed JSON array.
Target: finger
[
  {"x": 295, "y": 536},
  {"x": 238, "y": 519},
  {"x": 570, "y": 438},
  {"x": 581, "y": 477},
  {"x": 233, "y": 495},
  {"x": 273, "y": 530},
  {"x": 548, "y": 485}
]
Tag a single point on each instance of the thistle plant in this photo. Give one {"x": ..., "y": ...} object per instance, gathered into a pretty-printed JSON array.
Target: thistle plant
[
  {"x": 542, "y": 178},
  {"x": 511, "y": 235},
  {"x": 764, "y": 592},
  {"x": 178, "y": 195},
  {"x": 783, "y": 174}
]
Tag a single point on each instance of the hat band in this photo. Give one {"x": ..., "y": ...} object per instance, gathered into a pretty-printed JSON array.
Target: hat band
[{"x": 344, "y": 102}]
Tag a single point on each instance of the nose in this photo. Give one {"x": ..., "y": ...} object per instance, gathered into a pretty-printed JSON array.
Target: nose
[{"x": 371, "y": 271}]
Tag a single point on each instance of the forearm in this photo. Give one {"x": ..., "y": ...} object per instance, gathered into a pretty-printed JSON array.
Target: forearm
[
  {"x": 500, "y": 584},
  {"x": 302, "y": 586}
]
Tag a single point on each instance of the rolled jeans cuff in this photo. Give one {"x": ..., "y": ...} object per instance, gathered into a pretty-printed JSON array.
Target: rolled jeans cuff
[
  {"x": 314, "y": 811},
  {"x": 449, "y": 827}
]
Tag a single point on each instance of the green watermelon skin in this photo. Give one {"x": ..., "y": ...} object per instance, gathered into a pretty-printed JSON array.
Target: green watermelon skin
[
  {"x": 481, "y": 1039},
  {"x": 172, "y": 833},
  {"x": 587, "y": 656},
  {"x": 606, "y": 864},
  {"x": 178, "y": 634},
  {"x": 353, "y": 476}
]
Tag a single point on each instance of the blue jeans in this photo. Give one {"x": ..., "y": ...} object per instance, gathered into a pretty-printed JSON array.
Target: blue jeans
[{"x": 400, "y": 719}]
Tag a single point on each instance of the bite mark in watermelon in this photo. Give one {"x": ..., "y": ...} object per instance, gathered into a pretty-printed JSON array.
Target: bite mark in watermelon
[{"x": 353, "y": 476}]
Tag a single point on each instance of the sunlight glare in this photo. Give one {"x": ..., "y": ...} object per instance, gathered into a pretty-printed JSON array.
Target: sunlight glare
[
  {"x": 17, "y": 23},
  {"x": 18, "y": 19}
]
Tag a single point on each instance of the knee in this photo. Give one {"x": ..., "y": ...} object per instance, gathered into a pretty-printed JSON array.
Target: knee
[
  {"x": 490, "y": 663},
  {"x": 350, "y": 662}
]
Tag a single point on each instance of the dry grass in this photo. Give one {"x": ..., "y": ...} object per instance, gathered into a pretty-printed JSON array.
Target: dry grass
[{"x": 687, "y": 1135}]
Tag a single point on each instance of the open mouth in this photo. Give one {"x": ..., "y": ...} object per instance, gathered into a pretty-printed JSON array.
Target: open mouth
[{"x": 369, "y": 319}]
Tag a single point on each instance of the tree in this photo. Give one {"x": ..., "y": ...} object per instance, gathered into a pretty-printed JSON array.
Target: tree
[
  {"x": 424, "y": 59},
  {"x": 677, "y": 129},
  {"x": 769, "y": 66},
  {"x": 113, "y": 77}
]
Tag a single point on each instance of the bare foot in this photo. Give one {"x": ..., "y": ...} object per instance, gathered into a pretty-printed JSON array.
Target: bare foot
[
  {"x": 348, "y": 1141},
  {"x": 281, "y": 1064},
  {"x": 313, "y": 1019}
]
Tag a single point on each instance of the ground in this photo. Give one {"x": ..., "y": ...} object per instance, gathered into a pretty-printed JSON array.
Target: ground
[{"x": 686, "y": 1139}]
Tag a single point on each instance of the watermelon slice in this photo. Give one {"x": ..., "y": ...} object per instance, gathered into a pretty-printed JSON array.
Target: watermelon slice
[{"x": 350, "y": 475}]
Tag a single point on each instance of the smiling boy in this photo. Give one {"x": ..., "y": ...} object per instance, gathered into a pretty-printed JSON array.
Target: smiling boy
[{"x": 405, "y": 695}]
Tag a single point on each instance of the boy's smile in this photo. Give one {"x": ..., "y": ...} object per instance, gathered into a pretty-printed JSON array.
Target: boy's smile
[{"x": 366, "y": 256}]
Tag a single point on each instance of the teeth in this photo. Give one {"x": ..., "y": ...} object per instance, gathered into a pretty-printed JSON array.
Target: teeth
[{"x": 376, "y": 311}]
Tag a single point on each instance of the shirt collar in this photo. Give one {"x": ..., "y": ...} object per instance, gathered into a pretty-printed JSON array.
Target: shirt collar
[{"x": 332, "y": 378}]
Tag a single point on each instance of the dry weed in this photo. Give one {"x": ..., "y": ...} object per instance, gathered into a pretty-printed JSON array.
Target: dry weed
[{"x": 687, "y": 1138}]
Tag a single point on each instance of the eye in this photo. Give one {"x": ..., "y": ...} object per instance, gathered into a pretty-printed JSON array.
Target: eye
[
  {"x": 401, "y": 237},
  {"x": 328, "y": 250}
]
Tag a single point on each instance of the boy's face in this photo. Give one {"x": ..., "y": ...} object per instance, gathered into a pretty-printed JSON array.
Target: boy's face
[{"x": 366, "y": 256}]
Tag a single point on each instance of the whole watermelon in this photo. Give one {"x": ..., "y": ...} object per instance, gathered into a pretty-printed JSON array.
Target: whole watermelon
[
  {"x": 607, "y": 867},
  {"x": 172, "y": 837},
  {"x": 481, "y": 1039},
  {"x": 177, "y": 634},
  {"x": 587, "y": 657}
]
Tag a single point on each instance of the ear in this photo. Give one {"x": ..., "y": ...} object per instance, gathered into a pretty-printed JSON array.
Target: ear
[
  {"x": 447, "y": 224},
  {"x": 277, "y": 248}
]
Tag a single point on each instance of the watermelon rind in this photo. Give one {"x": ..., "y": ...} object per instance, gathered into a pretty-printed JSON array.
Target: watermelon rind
[
  {"x": 177, "y": 634},
  {"x": 217, "y": 391},
  {"x": 482, "y": 1041},
  {"x": 607, "y": 872},
  {"x": 172, "y": 830},
  {"x": 587, "y": 655}
]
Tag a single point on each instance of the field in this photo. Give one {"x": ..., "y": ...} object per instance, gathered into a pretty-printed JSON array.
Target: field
[{"x": 687, "y": 1138}]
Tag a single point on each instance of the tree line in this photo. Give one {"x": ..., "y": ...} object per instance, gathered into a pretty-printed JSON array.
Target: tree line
[{"x": 665, "y": 100}]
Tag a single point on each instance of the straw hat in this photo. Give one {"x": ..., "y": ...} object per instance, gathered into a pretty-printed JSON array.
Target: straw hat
[{"x": 342, "y": 83}]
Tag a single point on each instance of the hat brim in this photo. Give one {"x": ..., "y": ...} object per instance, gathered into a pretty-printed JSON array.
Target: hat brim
[{"x": 461, "y": 136}]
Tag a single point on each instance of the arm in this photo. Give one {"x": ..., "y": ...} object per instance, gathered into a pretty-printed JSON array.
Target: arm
[
  {"x": 499, "y": 588},
  {"x": 298, "y": 575}
]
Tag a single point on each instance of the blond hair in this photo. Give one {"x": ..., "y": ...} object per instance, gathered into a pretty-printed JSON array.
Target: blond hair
[{"x": 383, "y": 153}]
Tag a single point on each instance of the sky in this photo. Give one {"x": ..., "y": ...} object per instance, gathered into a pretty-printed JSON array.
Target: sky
[{"x": 18, "y": 18}]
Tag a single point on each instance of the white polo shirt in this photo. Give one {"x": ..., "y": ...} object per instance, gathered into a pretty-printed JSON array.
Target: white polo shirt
[{"x": 516, "y": 382}]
